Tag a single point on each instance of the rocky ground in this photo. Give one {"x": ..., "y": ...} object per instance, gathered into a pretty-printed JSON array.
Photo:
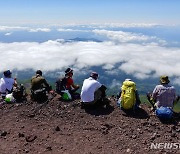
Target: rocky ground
[{"x": 63, "y": 127}]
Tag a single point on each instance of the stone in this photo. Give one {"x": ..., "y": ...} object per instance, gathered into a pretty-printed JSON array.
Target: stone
[
  {"x": 21, "y": 135},
  {"x": 3, "y": 133},
  {"x": 49, "y": 148},
  {"x": 31, "y": 138},
  {"x": 57, "y": 128}
]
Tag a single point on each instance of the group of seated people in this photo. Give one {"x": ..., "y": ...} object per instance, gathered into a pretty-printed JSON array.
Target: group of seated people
[{"x": 93, "y": 93}]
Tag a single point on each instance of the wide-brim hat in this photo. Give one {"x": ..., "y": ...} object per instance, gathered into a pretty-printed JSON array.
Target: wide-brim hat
[
  {"x": 164, "y": 79},
  {"x": 68, "y": 70}
]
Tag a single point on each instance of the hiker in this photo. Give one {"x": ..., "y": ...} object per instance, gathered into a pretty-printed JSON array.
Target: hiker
[
  {"x": 93, "y": 92},
  {"x": 128, "y": 98},
  {"x": 163, "y": 98},
  {"x": 65, "y": 86},
  {"x": 7, "y": 83},
  {"x": 163, "y": 94},
  {"x": 39, "y": 87}
]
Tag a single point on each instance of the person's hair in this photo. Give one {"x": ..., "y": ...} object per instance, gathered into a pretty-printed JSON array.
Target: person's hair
[
  {"x": 39, "y": 72},
  {"x": 94, "y": 75}
]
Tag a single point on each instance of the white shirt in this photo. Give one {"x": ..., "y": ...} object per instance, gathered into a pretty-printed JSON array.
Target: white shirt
[
  {"x": 6, "y": 83},
  {"x": 90, "y": 85}
]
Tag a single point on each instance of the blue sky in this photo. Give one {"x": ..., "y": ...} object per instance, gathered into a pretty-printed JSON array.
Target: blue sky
[{"x": 89, "y": 11}]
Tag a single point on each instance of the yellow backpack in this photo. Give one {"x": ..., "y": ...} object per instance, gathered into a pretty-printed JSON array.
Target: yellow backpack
[{"x": 128, "y": 97}]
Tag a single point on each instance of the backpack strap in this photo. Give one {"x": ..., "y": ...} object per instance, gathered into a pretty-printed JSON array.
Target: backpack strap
[
  {"x": 9, "y": 91},
  {"x": 64, "y": 80}
]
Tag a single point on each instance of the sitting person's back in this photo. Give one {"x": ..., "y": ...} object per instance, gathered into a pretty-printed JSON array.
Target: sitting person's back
[
  {"x": 38, "y": 81},
  {"x": 93, "y": 92},
  {"x": 164, "y": 94},
  {"x": 66, "y": 87},
  {"x": 7, "y": 83},
  {"x": 162, "y": 99},
  {"x": 39, "y": 86},
  {"x": 90, "y": 85}
]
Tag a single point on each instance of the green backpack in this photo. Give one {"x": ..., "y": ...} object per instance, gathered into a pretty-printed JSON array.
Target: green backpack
[{"x": 128, "y": 97}]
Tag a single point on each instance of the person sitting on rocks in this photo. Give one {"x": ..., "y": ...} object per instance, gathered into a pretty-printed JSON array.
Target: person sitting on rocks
[
  {"x": 93, "y": 92},
  {"x": 163, "y": 94},
  {"x": 7, "y": 83},
  {"x": 39, "y": 87},
  {"x": 66, "y": 85}
]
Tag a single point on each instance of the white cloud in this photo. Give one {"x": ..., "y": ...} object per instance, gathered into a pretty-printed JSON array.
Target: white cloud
[
  {"x": 112, "y": 25},
  {"x": 71, "y": 30},
  {"x": 108, "y": 66},
  {"x": 12, "y": 28},
  {"x": 176, "y": 81},
  {"x": 21, "y": 28},
  {"x": 120, "y": 36},
  {"x": 139, "y": 60},
  {"x": 112, "y": 72},
  {"x": 7, "y": 34},
  {"x": 40, "y": 30}
]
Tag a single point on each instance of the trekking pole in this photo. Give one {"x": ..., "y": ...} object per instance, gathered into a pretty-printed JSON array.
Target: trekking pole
[{"x": 151, "y": 102}]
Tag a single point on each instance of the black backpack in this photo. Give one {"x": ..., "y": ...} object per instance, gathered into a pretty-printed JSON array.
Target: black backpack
[
  {"x": 61, "y": 84},
  {"x": 19, "y": 93},
  {"x": 39, "y": 95}
]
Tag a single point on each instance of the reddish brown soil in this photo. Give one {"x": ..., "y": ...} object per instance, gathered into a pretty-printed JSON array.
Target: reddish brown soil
[{"x": 63, "y": 127}]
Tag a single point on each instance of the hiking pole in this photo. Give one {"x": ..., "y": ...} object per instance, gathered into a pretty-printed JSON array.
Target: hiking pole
[
  {"x": 154, "y": 108},
  {"x": 151, "y": 102}
]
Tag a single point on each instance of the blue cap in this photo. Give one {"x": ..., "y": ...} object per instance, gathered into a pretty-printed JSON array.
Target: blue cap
[{"x": 7, "y": 73}]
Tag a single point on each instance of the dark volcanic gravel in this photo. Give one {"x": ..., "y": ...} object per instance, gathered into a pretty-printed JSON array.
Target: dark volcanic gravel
[{"x": 63, "y": 127}]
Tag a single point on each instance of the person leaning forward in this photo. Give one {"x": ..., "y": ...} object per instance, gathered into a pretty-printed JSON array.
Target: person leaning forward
[
  {"x": 93, "y": 92},
  {"x": 38, "y": 82}
]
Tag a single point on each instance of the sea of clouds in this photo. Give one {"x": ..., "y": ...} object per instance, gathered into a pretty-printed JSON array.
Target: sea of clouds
[{"x": 136, "y": 54}]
